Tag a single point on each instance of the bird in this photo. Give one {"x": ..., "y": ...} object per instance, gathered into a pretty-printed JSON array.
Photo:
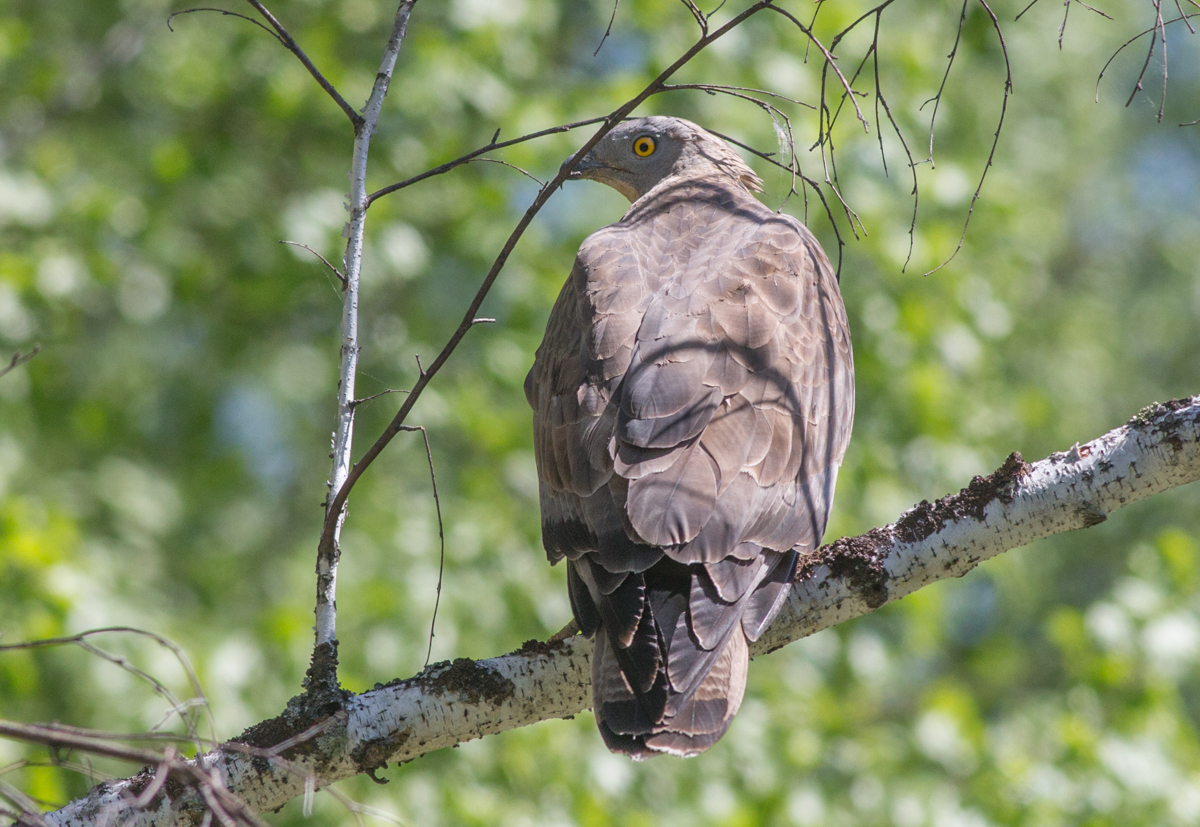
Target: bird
[{"x": 692, "y": 398}]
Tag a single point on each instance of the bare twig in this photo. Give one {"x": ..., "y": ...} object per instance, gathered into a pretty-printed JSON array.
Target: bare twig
[
  {"x": 358, "y": 402},
  {"x": 1183, "y": 14},
  {"x": 1021, "y": 13},
  {"x": 830, "y": 61},
  {"x": 324, "y": 260},
  {"x": 699, "y": 16},
  {"x": 1153, "y": 29},
  {"x": 717, "y": 88},
  {"x": 199, "y": 773},
  {"x": 887, "y": 110},
  {"x": 289, "y": 42},
  {"x": 464, "y": 159},
  {"x": 225, "y": 13},
  {"x": 23, "y": 802},
  {"x": 607, "y": 32},
  {"x": 19, "y": 359},
  {"x": 521, "y": 170},
  {"x": 82, "y": 640},
  {"x": 937, "y": 99},
  {"x": 161, "y": 772},
  {"x": 1159, "y": 29},
  {"x": 437, "y": 504},
  {"x": 1008, "y": 89},
  {"x": 808, "y": 182}
]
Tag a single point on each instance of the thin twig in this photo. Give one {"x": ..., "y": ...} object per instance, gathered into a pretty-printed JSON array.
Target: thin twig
[
  {"x": 607, "y": 32},
  {"x": 227, "y": 808},
  {"x": 23, "y": 802},
  {"x": 358, "y": 402},
  {"x": 830, "y": 61},
  {"x": 161, "y": 772},
  {"x": 937, "y": 99},
  {"x": 1159, "y": 28},
  {"x": 464, "y": 159},
  {"x": 292, "y": 46},
  {"x": 437, "y": 504},
  {"x": 715, "y": 88},
  {"x": 180, "y": 657},
  {"x": 775, "y": 113},
  {"x": 324, "y": 260},
  {"x": 19, "y": 359},
  {"x": 301, "y": 738},
  {"x": 912, "y": 167},
  {"x": 1008, "y": 89},
  {"x": 1021, "y": 13},
  {"x": 1186, "y": 18},
  {"x": 1179, "y": 8},
  {"x": 524, "y": 172},
  {"x": 700, "y": 18},
  {"x": 225, "y": 13}
]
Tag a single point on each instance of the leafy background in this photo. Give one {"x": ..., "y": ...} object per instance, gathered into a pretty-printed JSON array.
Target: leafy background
[{"x": 163, "y": 458}]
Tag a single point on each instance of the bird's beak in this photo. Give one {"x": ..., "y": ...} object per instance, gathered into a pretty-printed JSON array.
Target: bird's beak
[{"x": 586, "y": 164}]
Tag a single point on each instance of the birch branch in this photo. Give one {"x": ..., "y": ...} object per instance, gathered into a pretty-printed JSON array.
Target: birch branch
[
  {"x": 328, "y": 551},
  {"x": 451, "y": 703}
]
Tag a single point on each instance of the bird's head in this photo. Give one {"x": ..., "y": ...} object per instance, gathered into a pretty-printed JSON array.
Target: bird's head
[{"x": 636, "y": 155}]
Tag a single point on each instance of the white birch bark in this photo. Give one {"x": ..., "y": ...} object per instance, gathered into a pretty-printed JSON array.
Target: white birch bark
[{"x": 1158, "y": 450}]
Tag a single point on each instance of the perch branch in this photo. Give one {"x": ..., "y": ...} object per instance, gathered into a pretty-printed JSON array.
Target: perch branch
[{"x": 447, "y": 704}]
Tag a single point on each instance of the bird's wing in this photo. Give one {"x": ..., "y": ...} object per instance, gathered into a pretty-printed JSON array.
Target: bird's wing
[
  {"x": 580, "y": 363},
  {"x": 736, "y": 407}
]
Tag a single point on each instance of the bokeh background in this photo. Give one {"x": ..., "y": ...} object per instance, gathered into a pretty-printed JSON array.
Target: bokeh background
[{"x": 162, "y": 460}]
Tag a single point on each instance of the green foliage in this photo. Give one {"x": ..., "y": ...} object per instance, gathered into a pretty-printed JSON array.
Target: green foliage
[{"x": 162, "y": 460}]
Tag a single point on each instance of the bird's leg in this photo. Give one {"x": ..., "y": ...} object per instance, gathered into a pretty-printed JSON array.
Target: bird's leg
[{"x": 570, "y": 630}]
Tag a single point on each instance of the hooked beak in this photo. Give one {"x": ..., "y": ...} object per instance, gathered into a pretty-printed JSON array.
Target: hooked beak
[{"x": 586, "y": 164}]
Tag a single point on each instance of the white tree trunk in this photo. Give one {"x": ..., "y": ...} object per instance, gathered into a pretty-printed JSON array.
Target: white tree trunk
[{"x": 1157, "y": 450}]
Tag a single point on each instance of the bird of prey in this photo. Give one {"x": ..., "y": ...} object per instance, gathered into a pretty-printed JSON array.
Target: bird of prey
[{"x": 692, "y": 397}]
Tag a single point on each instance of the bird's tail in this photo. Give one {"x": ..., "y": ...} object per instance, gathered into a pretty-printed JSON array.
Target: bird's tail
[
  {"x": 675, "y": 684},
  {"x": 687, "y": 723}
]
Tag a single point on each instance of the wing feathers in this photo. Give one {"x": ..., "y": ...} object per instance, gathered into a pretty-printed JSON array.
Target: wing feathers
[{"x": 670, "y": 508}]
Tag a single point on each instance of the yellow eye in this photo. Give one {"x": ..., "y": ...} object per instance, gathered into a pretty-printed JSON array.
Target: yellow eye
[{"x": 643, "y": 146}]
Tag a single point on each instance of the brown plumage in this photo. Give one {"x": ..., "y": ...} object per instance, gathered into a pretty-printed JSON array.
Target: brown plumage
[{"x": 693, "y": 397}]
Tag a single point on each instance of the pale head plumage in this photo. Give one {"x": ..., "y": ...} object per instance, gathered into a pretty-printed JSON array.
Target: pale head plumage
[{"x": 681, "y": 149}]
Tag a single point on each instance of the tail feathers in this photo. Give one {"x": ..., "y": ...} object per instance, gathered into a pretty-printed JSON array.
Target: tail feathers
[
  {"x": 669, "y": 669},
  {"x": 769, "y": 596},
  {"x": 621, "y": 713},
  {"x": 662, "y": 719},
  {"x": 705, "y": 716}
]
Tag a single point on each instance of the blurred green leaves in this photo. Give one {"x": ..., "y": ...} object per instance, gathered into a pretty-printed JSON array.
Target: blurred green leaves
[{"x": 162, "y": 460}]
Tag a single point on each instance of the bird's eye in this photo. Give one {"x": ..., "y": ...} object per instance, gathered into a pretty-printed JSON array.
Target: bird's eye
[{"x": 644, "y": 146}]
